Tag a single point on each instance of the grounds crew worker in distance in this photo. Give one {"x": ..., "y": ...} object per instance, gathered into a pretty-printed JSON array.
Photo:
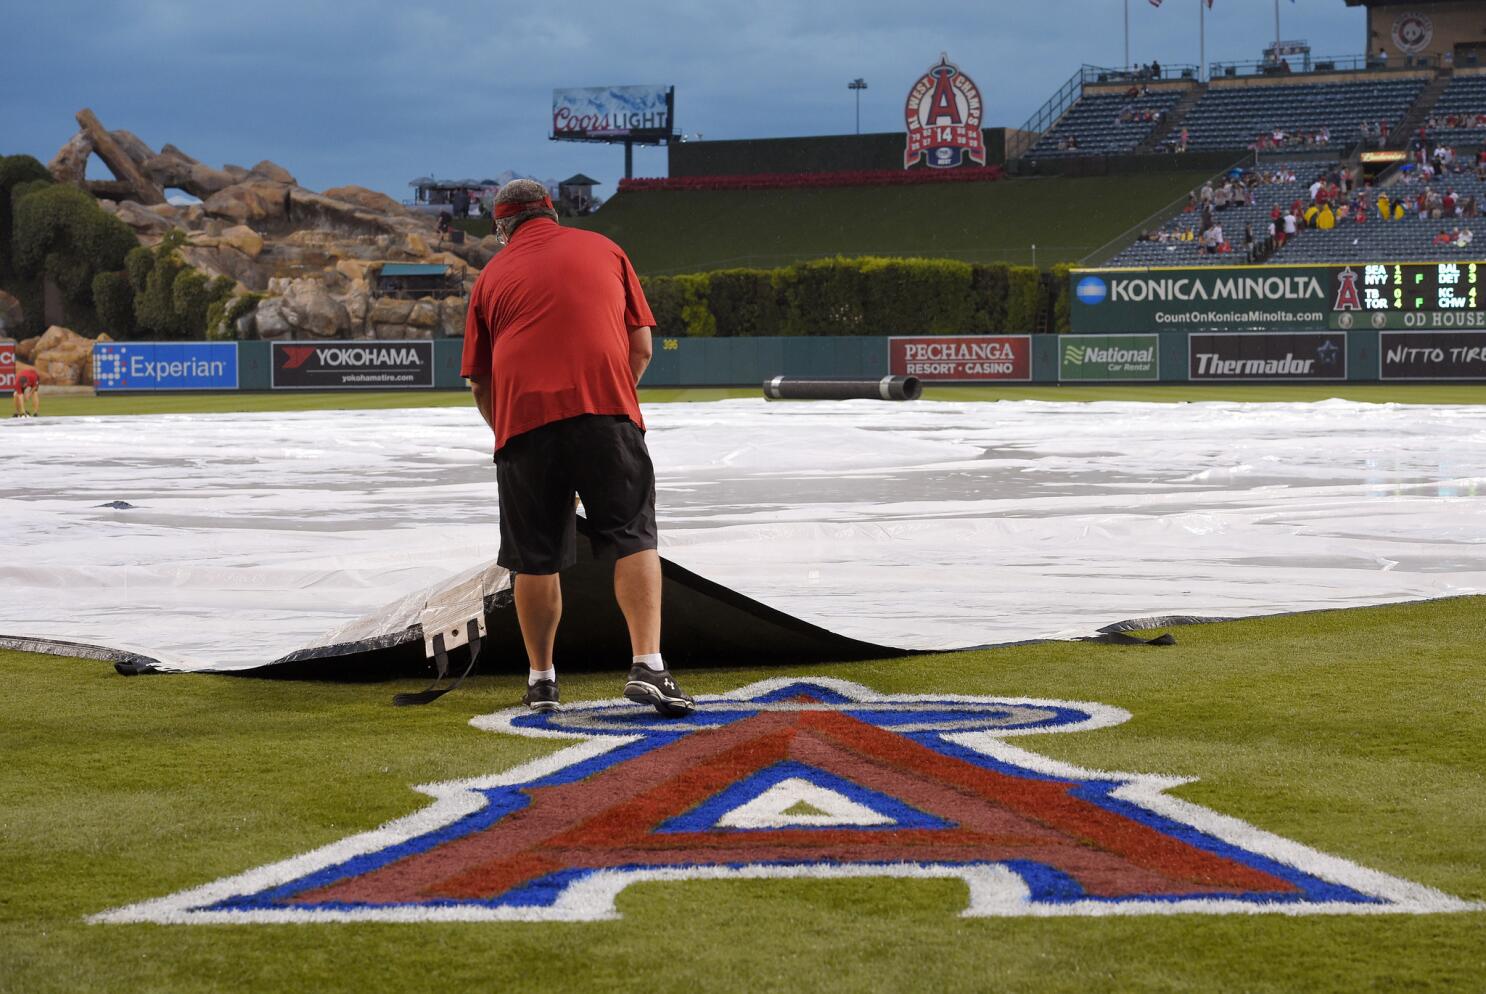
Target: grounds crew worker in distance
[
  {"x": 555, "y": 339},
  {"x": 27, "y": 384}
]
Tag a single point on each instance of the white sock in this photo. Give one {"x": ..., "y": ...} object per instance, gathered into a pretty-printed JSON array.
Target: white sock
[
  {"x": 652, "y": 660},
  {"x": 534, "y": 675}
]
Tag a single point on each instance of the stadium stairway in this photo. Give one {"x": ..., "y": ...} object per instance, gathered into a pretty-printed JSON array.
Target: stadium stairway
[
  {"x": 1173, "y": 121},
  {"x": 1419, "y": 113}
]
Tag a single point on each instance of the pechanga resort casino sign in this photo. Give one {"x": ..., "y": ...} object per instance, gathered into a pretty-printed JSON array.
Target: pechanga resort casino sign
[{"x": 943, "y": 115}]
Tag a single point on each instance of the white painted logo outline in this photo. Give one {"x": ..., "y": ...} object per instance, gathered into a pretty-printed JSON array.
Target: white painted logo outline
[{"x": 993, "y": 890}]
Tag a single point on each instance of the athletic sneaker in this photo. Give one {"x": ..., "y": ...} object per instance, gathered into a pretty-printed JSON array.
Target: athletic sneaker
[
  {"x": 541, "y": 696},
  {"x": 658, "y": 687}
]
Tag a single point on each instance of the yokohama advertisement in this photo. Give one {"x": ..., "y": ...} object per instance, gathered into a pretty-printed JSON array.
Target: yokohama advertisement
[
  {"x": 967, "y": 359},
  {"x": 1432, "y": 355},
  {"x": 352, "y": 365},
  {"x": 1267, "y": 356},
  {"x": 1212, "y": 298}
]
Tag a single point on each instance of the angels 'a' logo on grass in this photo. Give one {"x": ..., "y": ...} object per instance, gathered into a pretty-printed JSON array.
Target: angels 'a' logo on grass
[{"x": 799, "y": 778}]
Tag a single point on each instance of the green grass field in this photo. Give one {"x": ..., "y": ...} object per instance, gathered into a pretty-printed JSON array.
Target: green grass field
[
  {"x": 1066, "y": 218},
  {"x": 223, "y": 403},
  {"x": 1357, "y": 732}
]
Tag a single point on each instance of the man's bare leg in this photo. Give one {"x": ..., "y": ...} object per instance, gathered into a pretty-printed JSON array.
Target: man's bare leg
[
  {"x": 637, "y": 589},
  {"x": 538, "y": 609}
]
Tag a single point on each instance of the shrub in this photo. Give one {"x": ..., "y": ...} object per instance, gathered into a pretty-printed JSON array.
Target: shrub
[
  {"x": 666, "y": 300},
  {"x": 744, "y": 302},
  {"x": 1062, "y": 299},
  {"x": 823, "y": 297},
  {"x": 65, "y": 220},
  {"x": 1023, "y": 292},
  {"x": 699, "y": 320},
  {"x": 113, "y": 299},
  {"x": 15, "y": 171},
  {"x": 988, "y": 285}
]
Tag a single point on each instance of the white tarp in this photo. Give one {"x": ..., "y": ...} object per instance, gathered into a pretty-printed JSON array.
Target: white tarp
[{"x": 924, "y": 525}]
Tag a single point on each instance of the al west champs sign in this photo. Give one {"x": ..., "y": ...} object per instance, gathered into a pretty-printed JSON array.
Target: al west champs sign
[{"x": 943, "y": 115}]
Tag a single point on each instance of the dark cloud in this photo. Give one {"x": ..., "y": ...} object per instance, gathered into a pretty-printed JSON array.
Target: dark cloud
[{"x": 378, "y": 92}]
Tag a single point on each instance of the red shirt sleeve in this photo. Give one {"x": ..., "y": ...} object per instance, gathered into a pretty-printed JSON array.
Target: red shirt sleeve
[
  {"x": 477, "y": 344},
  {"x": 636, "y": 307}
]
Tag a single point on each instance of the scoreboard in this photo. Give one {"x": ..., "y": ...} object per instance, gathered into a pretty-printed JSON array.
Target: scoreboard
[
  {"x": 1409, "y": 295},
  {"x": 1403, "y": 286}
]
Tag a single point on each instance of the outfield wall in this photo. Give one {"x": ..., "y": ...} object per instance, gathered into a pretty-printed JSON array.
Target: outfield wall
[{"x": 1309, "y": 356}]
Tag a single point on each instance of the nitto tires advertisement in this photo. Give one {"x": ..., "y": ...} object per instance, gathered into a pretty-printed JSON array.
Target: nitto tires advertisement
[
  {"x": 1264, "y": 356},
  {"x": 967, "y": 359},
  {"x": 352, "y": 366},
  {"x": 1432, "y": 355},
  {"x": 1102, "y": 358}
]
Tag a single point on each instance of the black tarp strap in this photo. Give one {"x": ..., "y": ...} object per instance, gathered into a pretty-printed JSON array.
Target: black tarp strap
[{"x": 441, "y": 662}]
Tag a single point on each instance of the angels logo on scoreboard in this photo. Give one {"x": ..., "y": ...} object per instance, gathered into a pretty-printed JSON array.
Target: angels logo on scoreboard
[{"x": 943, "y": 115}]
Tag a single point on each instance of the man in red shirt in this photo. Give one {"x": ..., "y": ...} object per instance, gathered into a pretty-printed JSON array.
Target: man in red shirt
[
  {"x": 555, "y": 339},
  {"x": 27, "y": 385}
]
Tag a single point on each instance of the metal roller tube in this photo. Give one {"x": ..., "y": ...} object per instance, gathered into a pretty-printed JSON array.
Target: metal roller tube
[{"x": 806, "y": 388}]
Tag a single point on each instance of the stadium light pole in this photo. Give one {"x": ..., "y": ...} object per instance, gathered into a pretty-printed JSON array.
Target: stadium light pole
[{"x": 858, "y": 85}]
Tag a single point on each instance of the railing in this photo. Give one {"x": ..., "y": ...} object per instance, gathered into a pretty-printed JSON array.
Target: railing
[
  {"x": 1156, "y": 218},
  {"x": 1306, "y": 63},
  {"x": 1047, "y": 115}
]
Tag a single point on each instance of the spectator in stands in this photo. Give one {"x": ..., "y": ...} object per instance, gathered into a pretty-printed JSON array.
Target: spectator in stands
[
  {"x": 1383, "y": 206},
  {"x": 1292, "y": 225},
  {"x": 1248, "y": 239},
  {"x": 1191, "y": 202},
  {"x": 1240, "y": 194},
  {"x": 1207, "y": 193},
  {"x": 1155, "y": 69},
  {"x": 1468, "y": 206},
  {"x": 1276, "y": 233},
  {"x": 1221, "y": 196},
  {"x": 1448, "y": 204},
  {"x": 1443, "y": 238},
  {"x": 1316, "y": 188}
]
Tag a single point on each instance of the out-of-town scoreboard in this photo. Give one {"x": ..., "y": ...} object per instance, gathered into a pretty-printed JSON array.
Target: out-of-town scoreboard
[{"x": 1402, "y": 286}]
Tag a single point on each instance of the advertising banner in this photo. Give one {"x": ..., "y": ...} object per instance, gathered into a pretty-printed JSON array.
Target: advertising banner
[
  {"x": 1219, "y": 298},
  {"x": 7, "y": 367},
  {"x": 164, "y": 366},
  {"x": 1432, "y": 355},
  {"x": 1261, "y": 356},
  {"x": 352, "y": 365},
  {"x": 1109, "y": 357},
  {"x": 967, "y": 359},
  {"x": 1377, "y": 295},
  {"x": 613, "y": 112}
]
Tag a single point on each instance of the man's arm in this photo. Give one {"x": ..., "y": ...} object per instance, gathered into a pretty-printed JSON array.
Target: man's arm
[
  {"x": 480, "y": 387},
  {"x": 639, "y": 351}
]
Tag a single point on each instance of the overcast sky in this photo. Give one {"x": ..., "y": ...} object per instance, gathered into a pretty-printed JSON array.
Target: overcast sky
[{"x": 378, "y": 92}]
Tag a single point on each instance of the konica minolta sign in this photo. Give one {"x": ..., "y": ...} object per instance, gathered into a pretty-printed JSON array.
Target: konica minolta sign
[{"x": 1222, "y": 298}]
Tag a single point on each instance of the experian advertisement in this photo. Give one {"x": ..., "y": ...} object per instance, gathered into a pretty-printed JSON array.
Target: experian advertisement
[
  {"x": 164, "y": 366},
  {"x": 1131, "y": 358},
  {"x": 968, "y": 359},
  {"x": 1260, "y": 356},
  {"x": 1432, "y": 355},
  {"x": 7, "y": 366},
  {"x": 606, "y": 112},
  {"x": 352, "y": 365},
  {"x": 1216, "y": 298}
]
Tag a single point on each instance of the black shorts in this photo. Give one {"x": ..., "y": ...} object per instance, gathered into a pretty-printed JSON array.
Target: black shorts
[{"x": 598, "y": 457}]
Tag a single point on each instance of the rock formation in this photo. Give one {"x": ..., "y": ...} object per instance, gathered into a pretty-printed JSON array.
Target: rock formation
[
  {"x": 313, "y": 254},
  {"x": 61, "y": 356}
]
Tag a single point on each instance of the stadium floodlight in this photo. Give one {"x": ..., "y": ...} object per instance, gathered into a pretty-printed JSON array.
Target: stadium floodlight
[{"x": 859, "y": 84}]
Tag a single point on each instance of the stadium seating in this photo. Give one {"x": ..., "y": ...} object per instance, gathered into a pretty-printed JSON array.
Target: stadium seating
[
  {"x": 1408, "y": 240},
  {"x": 1265, "y": 197},
  {"x": 1233, "y": 116},
  {"x": 1094, "y": 121},
  {"x": 1464, "y": 98}
]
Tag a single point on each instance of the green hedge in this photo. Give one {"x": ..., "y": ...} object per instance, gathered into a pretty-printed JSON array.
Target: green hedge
[
  {"x": 15, "y": 171},
  {"x": 864, "y": 296}
]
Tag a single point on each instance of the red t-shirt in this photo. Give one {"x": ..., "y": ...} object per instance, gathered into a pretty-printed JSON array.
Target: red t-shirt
[
  {"x": 26, "y": 379},
  {"x": 549, "y": 323}
]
